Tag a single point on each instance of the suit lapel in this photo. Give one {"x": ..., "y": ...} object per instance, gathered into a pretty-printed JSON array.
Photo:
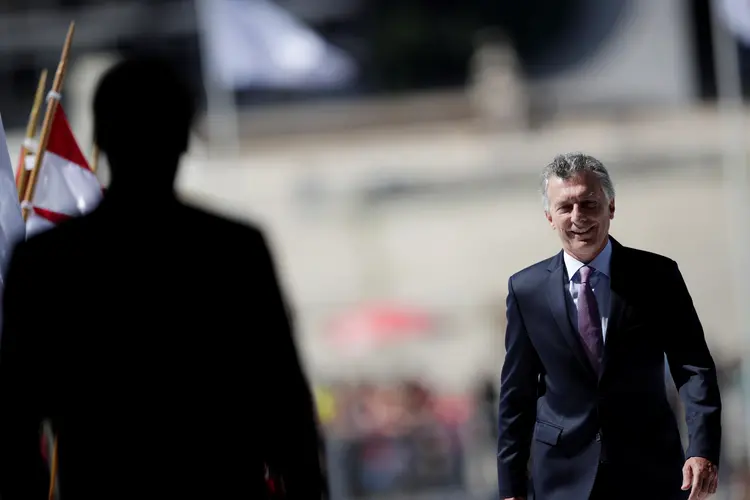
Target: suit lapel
[
  {"x": 558, "y": 304},
  {"x": 618, "y": 303}
]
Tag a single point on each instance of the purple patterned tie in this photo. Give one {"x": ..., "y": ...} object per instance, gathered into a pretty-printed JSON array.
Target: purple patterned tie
[{"x": 589, "y": 320}]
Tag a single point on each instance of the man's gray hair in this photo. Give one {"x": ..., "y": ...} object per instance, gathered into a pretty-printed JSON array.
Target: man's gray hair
[{"x": 568, "y": 165}]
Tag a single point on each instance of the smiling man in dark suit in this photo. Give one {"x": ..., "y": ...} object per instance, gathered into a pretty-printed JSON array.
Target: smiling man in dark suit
[{"x": 583, "y": 391}]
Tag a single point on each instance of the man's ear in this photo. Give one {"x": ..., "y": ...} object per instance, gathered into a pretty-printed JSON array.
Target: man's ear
[
  {"x": 549, "y": 219},
  {"x": 612, "y": 209}
]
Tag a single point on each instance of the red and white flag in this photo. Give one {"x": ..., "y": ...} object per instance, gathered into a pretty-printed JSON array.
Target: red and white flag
[{"x": 66, "y": 186}]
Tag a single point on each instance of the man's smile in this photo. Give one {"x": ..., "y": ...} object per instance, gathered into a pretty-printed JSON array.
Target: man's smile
[{"x": 585, "y": 232}]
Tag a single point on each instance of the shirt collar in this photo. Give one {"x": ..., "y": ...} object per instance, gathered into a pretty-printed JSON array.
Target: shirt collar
[{"x": 600, "y": 263}]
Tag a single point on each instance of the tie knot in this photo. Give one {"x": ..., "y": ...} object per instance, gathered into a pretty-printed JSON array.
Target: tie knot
[{"x": 585, "y": 273}]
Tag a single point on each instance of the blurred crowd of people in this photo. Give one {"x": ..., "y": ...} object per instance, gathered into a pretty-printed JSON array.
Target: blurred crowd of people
[
  {"x": 357, "y": 409},
  {"x": 394, "y": 438}
]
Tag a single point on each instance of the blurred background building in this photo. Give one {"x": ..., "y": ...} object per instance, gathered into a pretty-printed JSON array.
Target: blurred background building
[{"x": 392, "y": 149}]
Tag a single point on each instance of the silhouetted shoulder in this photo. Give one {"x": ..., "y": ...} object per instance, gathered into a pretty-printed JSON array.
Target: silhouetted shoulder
[
  {"x": 226, "y": 226},
  {"x": 41, "y": 245},
  {"x": 236, "y": 239}
]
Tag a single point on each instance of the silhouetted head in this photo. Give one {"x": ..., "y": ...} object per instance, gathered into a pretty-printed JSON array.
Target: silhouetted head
[{"x": 143, "y": 113}]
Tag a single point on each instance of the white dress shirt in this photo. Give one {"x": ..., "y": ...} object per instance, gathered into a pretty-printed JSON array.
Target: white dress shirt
[{"x": 599, "y": 281}]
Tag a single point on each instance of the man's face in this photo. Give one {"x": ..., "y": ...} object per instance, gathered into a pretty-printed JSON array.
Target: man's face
[{"x": 580, "y": 213}]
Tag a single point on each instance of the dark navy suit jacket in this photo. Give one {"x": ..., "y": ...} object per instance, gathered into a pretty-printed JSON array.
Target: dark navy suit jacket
[{"x": 558, "y": 419}]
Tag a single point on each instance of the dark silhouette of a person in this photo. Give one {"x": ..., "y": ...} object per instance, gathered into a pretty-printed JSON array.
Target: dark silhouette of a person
[{"x": 152, "y": 335}]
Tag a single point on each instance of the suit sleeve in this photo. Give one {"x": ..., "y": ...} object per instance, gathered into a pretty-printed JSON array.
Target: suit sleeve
[
  {"x": 23, "y": 474},
  {"x": 693, "y": 371},
  {"x": 298, "y": 443},
  {"x": 519, "y": 385}
]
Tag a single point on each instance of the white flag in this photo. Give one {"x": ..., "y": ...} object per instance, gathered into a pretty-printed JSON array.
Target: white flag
[
  {"x": 256, "y": 43},
  {"x": 736, "y": 17},
  {"x": 12, "y": 228}
]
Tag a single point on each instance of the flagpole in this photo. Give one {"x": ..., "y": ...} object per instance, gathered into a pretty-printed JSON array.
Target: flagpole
[
  {"x": 52, "y": 102},
  {"x": 94, "y": 164},
  {"x": 731, "y": 109},
  {"x": 22, "y": 175}
]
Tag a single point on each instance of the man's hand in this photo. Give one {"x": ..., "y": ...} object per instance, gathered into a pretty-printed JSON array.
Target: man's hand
[{"x": 701, "y": 477}]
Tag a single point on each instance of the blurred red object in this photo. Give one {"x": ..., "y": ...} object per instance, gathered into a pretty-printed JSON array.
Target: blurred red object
[
  {"x": 453, "y": 410},
  {"x": 374, "y": 326},
  {"x": 274, "y": 484}
]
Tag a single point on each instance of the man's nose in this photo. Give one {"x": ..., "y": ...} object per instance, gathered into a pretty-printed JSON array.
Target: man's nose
[{"x": 577, "y": 215}]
